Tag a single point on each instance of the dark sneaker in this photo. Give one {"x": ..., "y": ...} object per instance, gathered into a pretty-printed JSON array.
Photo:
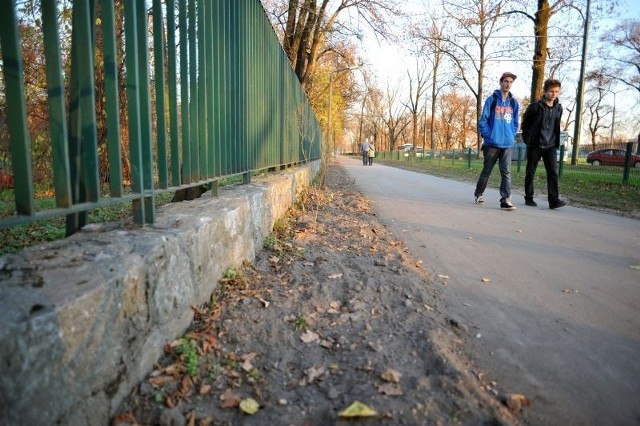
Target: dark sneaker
[
  {"x": 557, "y": 204},
  {"x": 530, "y": 202},
  {"x": 507, "y": 205},
  {"x": 479, "y": 199}
]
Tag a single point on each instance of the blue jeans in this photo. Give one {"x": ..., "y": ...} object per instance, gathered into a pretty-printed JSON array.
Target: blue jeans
[{"x": 491, "y": 156}]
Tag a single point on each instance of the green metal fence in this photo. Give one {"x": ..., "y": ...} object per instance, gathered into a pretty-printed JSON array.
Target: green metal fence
[
  {"x": 629, "y": 174},
  {"x": 209, "y": 94}
]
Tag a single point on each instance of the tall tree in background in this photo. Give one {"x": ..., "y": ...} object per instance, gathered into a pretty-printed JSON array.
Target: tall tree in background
[
  {"x": 431, "y": 40},
  {"x": 417, "y": 90},
  {"x": 393, "y": 118},
  {"x": 625, "y": 61},
  {"x": 467, "y": 44},
  {"x": 311, "y": 28},
  {"x": 541, "y": 19}
]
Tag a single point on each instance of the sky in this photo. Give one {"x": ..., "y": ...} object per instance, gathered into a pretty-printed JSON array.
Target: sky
[{"x": 390, "y": 64}]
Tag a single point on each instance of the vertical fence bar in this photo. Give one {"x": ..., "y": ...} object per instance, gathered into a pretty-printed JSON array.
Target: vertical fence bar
[
  {"x": 145, "y": 112},
  {"x": 112, "y": 101},
  {"x": 57, "y": 116},
  {"x": 202, "y": 92},
  {"x": 161, "y": 126},
  {"x": 173, "y": 90},
  {"x": 184, "y": 93},
  {"x": 16, "y": 109},
  {"x": 228, "y": 90},
  {"x": 87, "y": 97},
  {"x": 210, "y": 51},
  {"x": 133, "y": 112},
  {"x": 236, "y": 81},
  {"x": 83, "y": 156},
  {"x": 217, "y": 70},
  {"x": 193, "y": 89}
]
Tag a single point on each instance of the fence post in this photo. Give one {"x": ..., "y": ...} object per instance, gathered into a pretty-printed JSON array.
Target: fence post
[
  {"x": 627, "y": 163},
  {"x": 469, "y": 157}
]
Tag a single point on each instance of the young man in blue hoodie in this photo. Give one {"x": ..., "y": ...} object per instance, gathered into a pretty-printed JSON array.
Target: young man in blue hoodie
[{"x": 498, "y": 126}]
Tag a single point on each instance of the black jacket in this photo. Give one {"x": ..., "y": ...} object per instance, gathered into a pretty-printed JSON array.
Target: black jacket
[{"x": 532, "y": 122}]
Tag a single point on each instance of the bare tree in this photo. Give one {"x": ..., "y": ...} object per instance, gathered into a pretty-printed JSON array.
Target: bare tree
[
  {"x": 477, "y": 21},
  {"x": 311, "y": 28},
  {"x": 417, "y": 89},
  {"x": 395, "y": 122},
  {"x": 430, "y": 36},
  {"x": 623, "y": 52},
  {"x": 456, "y": 120},
  {"x": 595, "y": 108}
]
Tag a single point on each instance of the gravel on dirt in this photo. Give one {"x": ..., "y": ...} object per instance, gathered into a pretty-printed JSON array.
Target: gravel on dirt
[{"x": 333, "y": 311}]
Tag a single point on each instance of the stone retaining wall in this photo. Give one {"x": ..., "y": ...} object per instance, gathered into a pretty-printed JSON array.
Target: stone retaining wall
[{"x": 84, "y": 319}]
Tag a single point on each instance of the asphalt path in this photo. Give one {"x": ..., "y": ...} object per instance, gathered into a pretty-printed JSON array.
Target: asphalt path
[{"x": 559, "y": 319}]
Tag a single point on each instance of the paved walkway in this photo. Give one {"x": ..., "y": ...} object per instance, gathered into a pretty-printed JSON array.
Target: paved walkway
[{"x": 559, "y": 320}]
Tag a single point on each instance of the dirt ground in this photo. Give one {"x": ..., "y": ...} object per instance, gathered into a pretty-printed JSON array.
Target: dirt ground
[{"x": 333, "y": 311}]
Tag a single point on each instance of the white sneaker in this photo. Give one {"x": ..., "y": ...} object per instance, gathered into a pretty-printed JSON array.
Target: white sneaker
[
  {"x": 479, "y": 199},
  {"x": 507, "y": 205}
]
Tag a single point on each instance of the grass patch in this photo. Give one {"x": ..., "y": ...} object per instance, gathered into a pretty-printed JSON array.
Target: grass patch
[{"x": 22, "y": 236}]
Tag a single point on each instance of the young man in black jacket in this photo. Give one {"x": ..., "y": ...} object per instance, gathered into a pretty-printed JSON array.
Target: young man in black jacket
[{"x": 541, "y": 133}]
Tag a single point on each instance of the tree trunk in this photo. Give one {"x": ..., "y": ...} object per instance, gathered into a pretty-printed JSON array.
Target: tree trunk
[{"x": 541, "y": 25}]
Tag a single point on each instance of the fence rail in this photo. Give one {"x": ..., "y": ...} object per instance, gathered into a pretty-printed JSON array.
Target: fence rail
[
  {"x": 468, "y": 158},
  {"x": 147, "y": 97}
]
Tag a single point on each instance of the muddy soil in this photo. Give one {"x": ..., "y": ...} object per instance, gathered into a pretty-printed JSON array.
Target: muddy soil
[{"x": 334, "y": 310}]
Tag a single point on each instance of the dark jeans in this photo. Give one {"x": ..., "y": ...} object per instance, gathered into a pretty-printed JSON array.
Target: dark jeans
[
  {"x": 370, "y": 161},
  {"x": 491, "y": 156},
  {"x": 365, "y": 158},
  {"x": 550, "y": 159}
]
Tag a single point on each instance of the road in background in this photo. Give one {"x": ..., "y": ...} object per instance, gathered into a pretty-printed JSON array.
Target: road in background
[{"x": 559, "y": 320}]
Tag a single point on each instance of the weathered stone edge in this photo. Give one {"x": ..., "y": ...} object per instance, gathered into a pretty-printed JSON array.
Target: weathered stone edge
[{"x": 84, "y": 319}]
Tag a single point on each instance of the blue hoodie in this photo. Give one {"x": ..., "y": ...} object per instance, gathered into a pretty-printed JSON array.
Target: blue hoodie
[{"x": 499, "y": 127}]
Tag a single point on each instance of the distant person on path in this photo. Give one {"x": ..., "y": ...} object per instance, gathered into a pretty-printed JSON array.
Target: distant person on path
[
  {"x": 364, "y": 150},
  {"x": 371, "y": 153},
  {"x": 541, "y": 133},
  {"x": 498, "y": 126}
]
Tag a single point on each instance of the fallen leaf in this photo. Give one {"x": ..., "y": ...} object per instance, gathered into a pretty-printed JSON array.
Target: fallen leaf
[
  {"x": 313, "y": 373},
  {"x": 204, "y": 389},
  {"x": 515, "y": 402},
  {"x": 636, "y": 267},
  {"x": 249, "y": 406},
  {"x": 326, "y": 344},
  {"x": 191, "y": 419},
  {"x": 357, "y": 409},
  {"x": 443, "y": 277},
  {"x": 309, "y": 337},
  {"x": 160, "y": 380},
  {"x": 391, "y": 375},
  {"x": 308, "y": 264},
  {"x": 486, "y": 280},
  {"x": 229, "y": 399},
  {"x": 249, "y": 357},
  {"x": 334, "y": 276},
  {"x": 274, "y": 259},
  {"x": 391, "y": 389},
  {"x": 168, "y": 402}
]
